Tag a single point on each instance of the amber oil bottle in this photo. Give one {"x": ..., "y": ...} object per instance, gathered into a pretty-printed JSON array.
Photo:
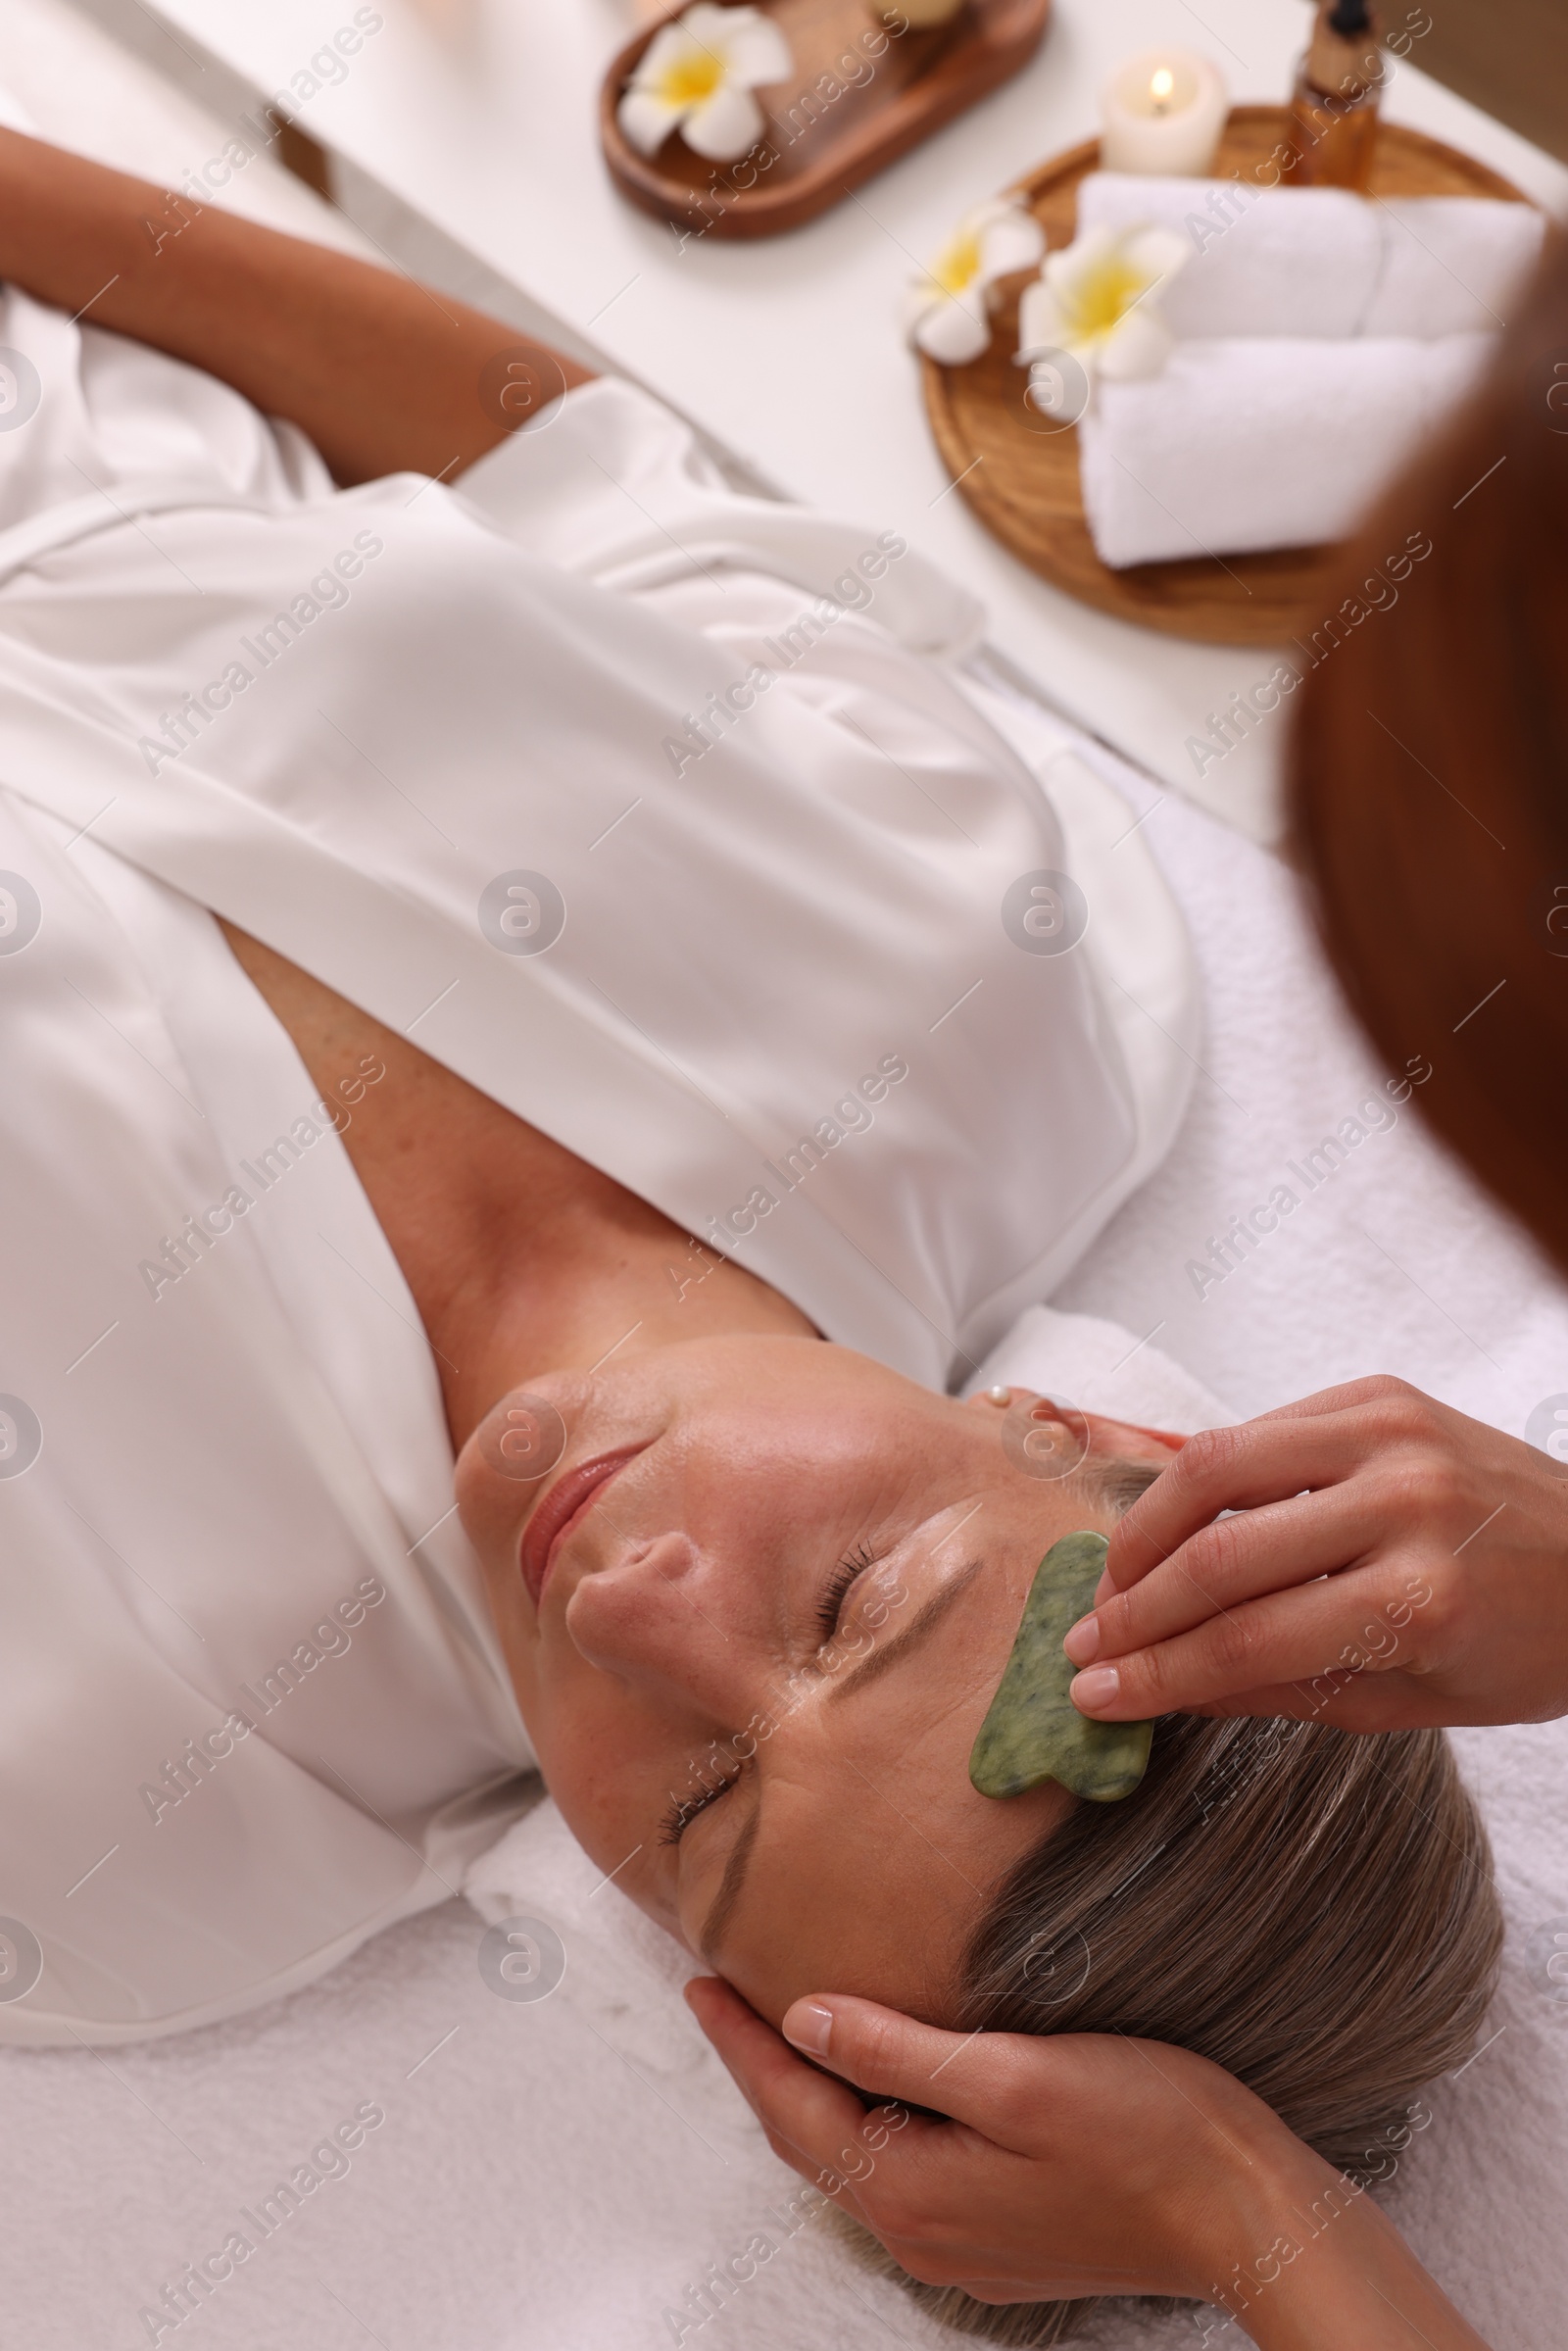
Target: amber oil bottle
[{"x": 1334, "y": 108}]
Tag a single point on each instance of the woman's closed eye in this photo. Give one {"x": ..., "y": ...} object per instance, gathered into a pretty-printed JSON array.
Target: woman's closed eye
[
  {"x": 839, "y": 1586},
  {"x": 683, "y": 1810}
]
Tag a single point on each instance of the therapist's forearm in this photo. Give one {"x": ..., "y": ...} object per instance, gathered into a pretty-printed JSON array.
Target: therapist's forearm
[
  {"x": 1335, "y": 2272},
  {"x": 382, "y": 376}
]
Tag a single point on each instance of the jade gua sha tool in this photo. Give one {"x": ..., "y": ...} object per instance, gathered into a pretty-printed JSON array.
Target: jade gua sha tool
[{"x": 1033, "y": 1730}]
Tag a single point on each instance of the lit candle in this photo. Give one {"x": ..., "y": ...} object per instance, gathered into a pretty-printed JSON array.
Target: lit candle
[{"x": 1163, "y": 112}]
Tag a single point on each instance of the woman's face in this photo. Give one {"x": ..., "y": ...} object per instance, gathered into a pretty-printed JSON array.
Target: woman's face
[{"x": 754, "y": 1617}]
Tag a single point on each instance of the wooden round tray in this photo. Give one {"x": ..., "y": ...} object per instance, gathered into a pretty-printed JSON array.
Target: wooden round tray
[
  {"x": 1023, "y": 483},
  {"x": 858, "y": 98}
]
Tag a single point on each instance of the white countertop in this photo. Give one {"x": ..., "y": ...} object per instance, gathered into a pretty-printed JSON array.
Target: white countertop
[{"x": 480, "y": 118}]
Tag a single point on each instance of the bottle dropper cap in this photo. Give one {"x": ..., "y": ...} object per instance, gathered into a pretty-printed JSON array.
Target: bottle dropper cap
[{"x": 1350, "y": 16}]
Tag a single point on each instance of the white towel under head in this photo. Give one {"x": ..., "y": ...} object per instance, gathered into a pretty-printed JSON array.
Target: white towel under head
[
  {"x": 1239, "y": 445},
  {"x": 1097, "y": 1365},
  {"x": 1325, "y": 262}
]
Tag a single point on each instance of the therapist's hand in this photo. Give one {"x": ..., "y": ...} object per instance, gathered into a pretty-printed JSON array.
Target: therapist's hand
[
  {"x": 1395, "y": 1564},
  {"x": 1072, "y": 2166},
  {"x": 1076, "y": 2165}
]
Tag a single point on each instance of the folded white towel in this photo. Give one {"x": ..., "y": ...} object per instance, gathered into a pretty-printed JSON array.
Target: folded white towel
[
  {"x": 1275, "y": 442},
  {"x": 1323, "y": 262}
]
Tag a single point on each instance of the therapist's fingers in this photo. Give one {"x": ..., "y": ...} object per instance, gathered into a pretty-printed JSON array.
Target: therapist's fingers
[
  {"x": 1315, "y": 1444},
  {"x": 1233, "y": 1560},
  {"x": 811, "y": 2121},
  {"x": 970, "y": 2077},
  {"x": 877, "y": 2165},
  {"x": 935, "y": 2191},
  {"x": 887, "y": 2054},
  {"x": 1425, "y": 1558},
  {"x": 884, "y": 2054},
  {"x": 810, "y": 2118},
  {"x": 1316, "y": 1637},
  {"x": 973, "y": 2078}
]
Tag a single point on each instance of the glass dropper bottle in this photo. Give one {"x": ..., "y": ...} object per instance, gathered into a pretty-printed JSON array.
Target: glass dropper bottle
[{"x": 1334, "y": 110}]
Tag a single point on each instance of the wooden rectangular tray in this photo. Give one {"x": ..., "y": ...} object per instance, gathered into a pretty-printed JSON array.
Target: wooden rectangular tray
[{"x": 827, "y": 131}]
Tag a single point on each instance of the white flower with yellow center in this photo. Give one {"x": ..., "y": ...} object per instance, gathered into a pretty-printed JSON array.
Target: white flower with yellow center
[
  {"x": 1097, "y": 302},
  {"x": 697, "y": 76},
  {"x": 948, "y": 311}
]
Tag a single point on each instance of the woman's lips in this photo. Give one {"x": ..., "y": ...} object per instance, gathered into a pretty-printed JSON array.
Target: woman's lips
[{"x": 565, "y": 1500}]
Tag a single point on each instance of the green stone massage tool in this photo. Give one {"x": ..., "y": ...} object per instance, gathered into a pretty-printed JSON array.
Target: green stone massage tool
[{"x": 1033, "y": 1731}]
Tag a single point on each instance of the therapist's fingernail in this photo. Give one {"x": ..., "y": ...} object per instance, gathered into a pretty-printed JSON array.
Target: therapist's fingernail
[
  {"x": 809, "y": 2027},
  {"x": 1096, "y": 1689},
  {"x": 1083, "y": 1641}
]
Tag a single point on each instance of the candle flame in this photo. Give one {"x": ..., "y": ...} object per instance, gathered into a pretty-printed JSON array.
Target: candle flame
[{"x": 1162, "y": 88}]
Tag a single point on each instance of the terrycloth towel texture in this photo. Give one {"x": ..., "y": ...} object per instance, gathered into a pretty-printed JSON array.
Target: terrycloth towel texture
[
  {"x": 1269, "y": 441},
  {"x": 1322, "y": 261},
  {"x": 556, "y": 2175}
]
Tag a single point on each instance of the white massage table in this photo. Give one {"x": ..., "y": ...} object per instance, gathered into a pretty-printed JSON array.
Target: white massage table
[{"x": 559, "y": 2176}]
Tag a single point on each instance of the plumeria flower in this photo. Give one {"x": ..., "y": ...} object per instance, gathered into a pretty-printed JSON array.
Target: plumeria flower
[
  {"x": 697, "y": 75},
  {"x": 1096, "y": 301},
  {"x": 948, "y": 312}
]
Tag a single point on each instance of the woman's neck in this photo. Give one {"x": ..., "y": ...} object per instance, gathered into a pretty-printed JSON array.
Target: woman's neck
[{"x": 520, "y": 1256}]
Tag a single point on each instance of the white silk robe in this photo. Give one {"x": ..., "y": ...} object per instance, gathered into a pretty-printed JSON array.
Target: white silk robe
[{"x": 660, "y": 812}]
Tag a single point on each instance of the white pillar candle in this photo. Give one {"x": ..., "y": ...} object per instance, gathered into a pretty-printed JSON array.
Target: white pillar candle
[{"x": 1163, "y": 112}]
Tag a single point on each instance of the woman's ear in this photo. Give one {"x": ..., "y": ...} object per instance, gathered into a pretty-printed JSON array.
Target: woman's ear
[
  {"x": 1111, "y": 1439},
  {"x": 1130, "y": 1440}
]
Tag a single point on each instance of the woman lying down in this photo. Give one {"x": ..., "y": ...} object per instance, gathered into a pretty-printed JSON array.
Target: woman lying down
[{"x": 509, "y": 948}]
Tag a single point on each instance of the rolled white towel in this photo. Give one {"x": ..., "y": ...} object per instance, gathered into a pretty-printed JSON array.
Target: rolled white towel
[
  {"x": 1240, "y": 444},
  {"x": 1324, "y": 261},
  {"x": 1453, "y": 264}
]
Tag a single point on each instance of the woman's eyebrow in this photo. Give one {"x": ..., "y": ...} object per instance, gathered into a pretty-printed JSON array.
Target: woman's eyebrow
[{"x": 888, "y": 1652}]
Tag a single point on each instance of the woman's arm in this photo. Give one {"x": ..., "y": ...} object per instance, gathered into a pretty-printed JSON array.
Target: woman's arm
[
  {"x": 1079, "y": 2165},
  {"x": 382, "y": 376}
]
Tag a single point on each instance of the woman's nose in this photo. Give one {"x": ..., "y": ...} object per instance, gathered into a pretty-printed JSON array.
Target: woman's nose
[{"x": 651, "y": 1617}]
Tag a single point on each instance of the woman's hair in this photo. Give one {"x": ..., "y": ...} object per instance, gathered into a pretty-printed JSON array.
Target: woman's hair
[
  {"x": 1312, "y": 1909},
  {"x": 1429, "y": 772}
]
